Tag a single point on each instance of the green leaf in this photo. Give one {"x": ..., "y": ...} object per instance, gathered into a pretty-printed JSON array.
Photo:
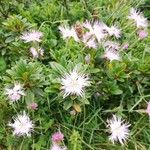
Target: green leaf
[
  {"x": 9, "y": 39},
  {"x": 75, "y": 141},
  {"x": 51, "y": 89},
  {"x": 67, "y": 104},
  {"x": 53, "y": 42},
  {"x": 84, "y": 101},
  {"x": 2, "y": 64},
  {"x": 48, "y": 124},
  {"x": 29, "y": 96},
  {"x": 116, "y": 91},
  {"x": 94, "y": 70},
  {"x": 57, "y": 67}
]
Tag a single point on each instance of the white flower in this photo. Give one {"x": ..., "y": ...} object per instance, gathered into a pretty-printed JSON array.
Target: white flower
[
  {"x": 89, "y": 40},
  {"x": 138, "y": 17},
  {"x": 110, "y": 45},
  {"x": 57, "y": 147},
  {"x": 73, "y": 83},
  {"x": 112, "y": 55},
  {"x": 68, "y": 32},
  {"x": 41, "y": 51},
  {"x": 91, "y": 43},
  {"x": 118, "y": 129},
  {"x": 15, "y": 93},
  {"x": 113, "y": 30},
  {"x": 88, "y": 26},
  {"x": 35, "y": 53},
  {"x": 22, "y": 125},
  {"x": 111, "y": 50},
  {"x": 98, "y": 29},
  {"x": 32, "y": 36}
]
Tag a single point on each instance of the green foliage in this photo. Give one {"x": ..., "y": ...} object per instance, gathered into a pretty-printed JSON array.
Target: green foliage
[
  {"x": 145, "y": 7},
  {"x": 30, "y": 74},
  {"x": 117, "y": 87},
  {"x": 58, "y": 72},
  {"x": 16, "y": 23},
  {"x": 2, "y": 64},
  {"x": 75, "y": 141}
]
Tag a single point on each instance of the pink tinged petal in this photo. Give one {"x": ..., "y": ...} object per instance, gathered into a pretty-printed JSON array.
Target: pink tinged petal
[
  {"x": 15, "y": 93},
  {"x": 139, "y": 19},
  {"x": 15, "y": 97},
  {"x": 68, "y": 32},
  {"x": 91, "y": 44},
  {"x": 34, "y": 52},
  {"x": 74, "y": 84},
  {"x": 32, "y": 36},
  {"x": 118, "y": 129},
  {"x": 88, "y": 26},
  {"x": 33, "y": 106},
  {"x": 89, "y": 40},
  {"x": 113, "y": 30},
  {"x": 97, "y": 29},
  {"x": 112, "y": 55},
  {"x": 22, "y": 125},
  {"x": 110, "y": 45}
]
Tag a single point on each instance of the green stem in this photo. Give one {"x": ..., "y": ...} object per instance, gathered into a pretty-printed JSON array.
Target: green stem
[
  {"x": 21, "y": 145},
  {"x": 58, "y": 21},
  {"x": 66, "y": 6}
]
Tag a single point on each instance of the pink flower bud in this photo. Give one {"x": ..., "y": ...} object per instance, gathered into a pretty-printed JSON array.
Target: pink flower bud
[
  {"x": 142, "y": 34},
  {"x": 125, "y": 46},
  {"x": 33, "y": 106},
  {"x": 57, "y": 137}
]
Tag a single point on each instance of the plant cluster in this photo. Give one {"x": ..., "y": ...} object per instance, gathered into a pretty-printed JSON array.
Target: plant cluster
[{"x": 74, "y": 75}]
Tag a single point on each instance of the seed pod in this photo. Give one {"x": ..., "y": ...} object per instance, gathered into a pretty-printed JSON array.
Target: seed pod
[
  {"x": 88, "y": 59},
  {"x": 95, "y": 14},
  {"x": 73, "y": 112},
  {"x": 79, "y": 29},
  {"x": 77, "y": 107}
]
